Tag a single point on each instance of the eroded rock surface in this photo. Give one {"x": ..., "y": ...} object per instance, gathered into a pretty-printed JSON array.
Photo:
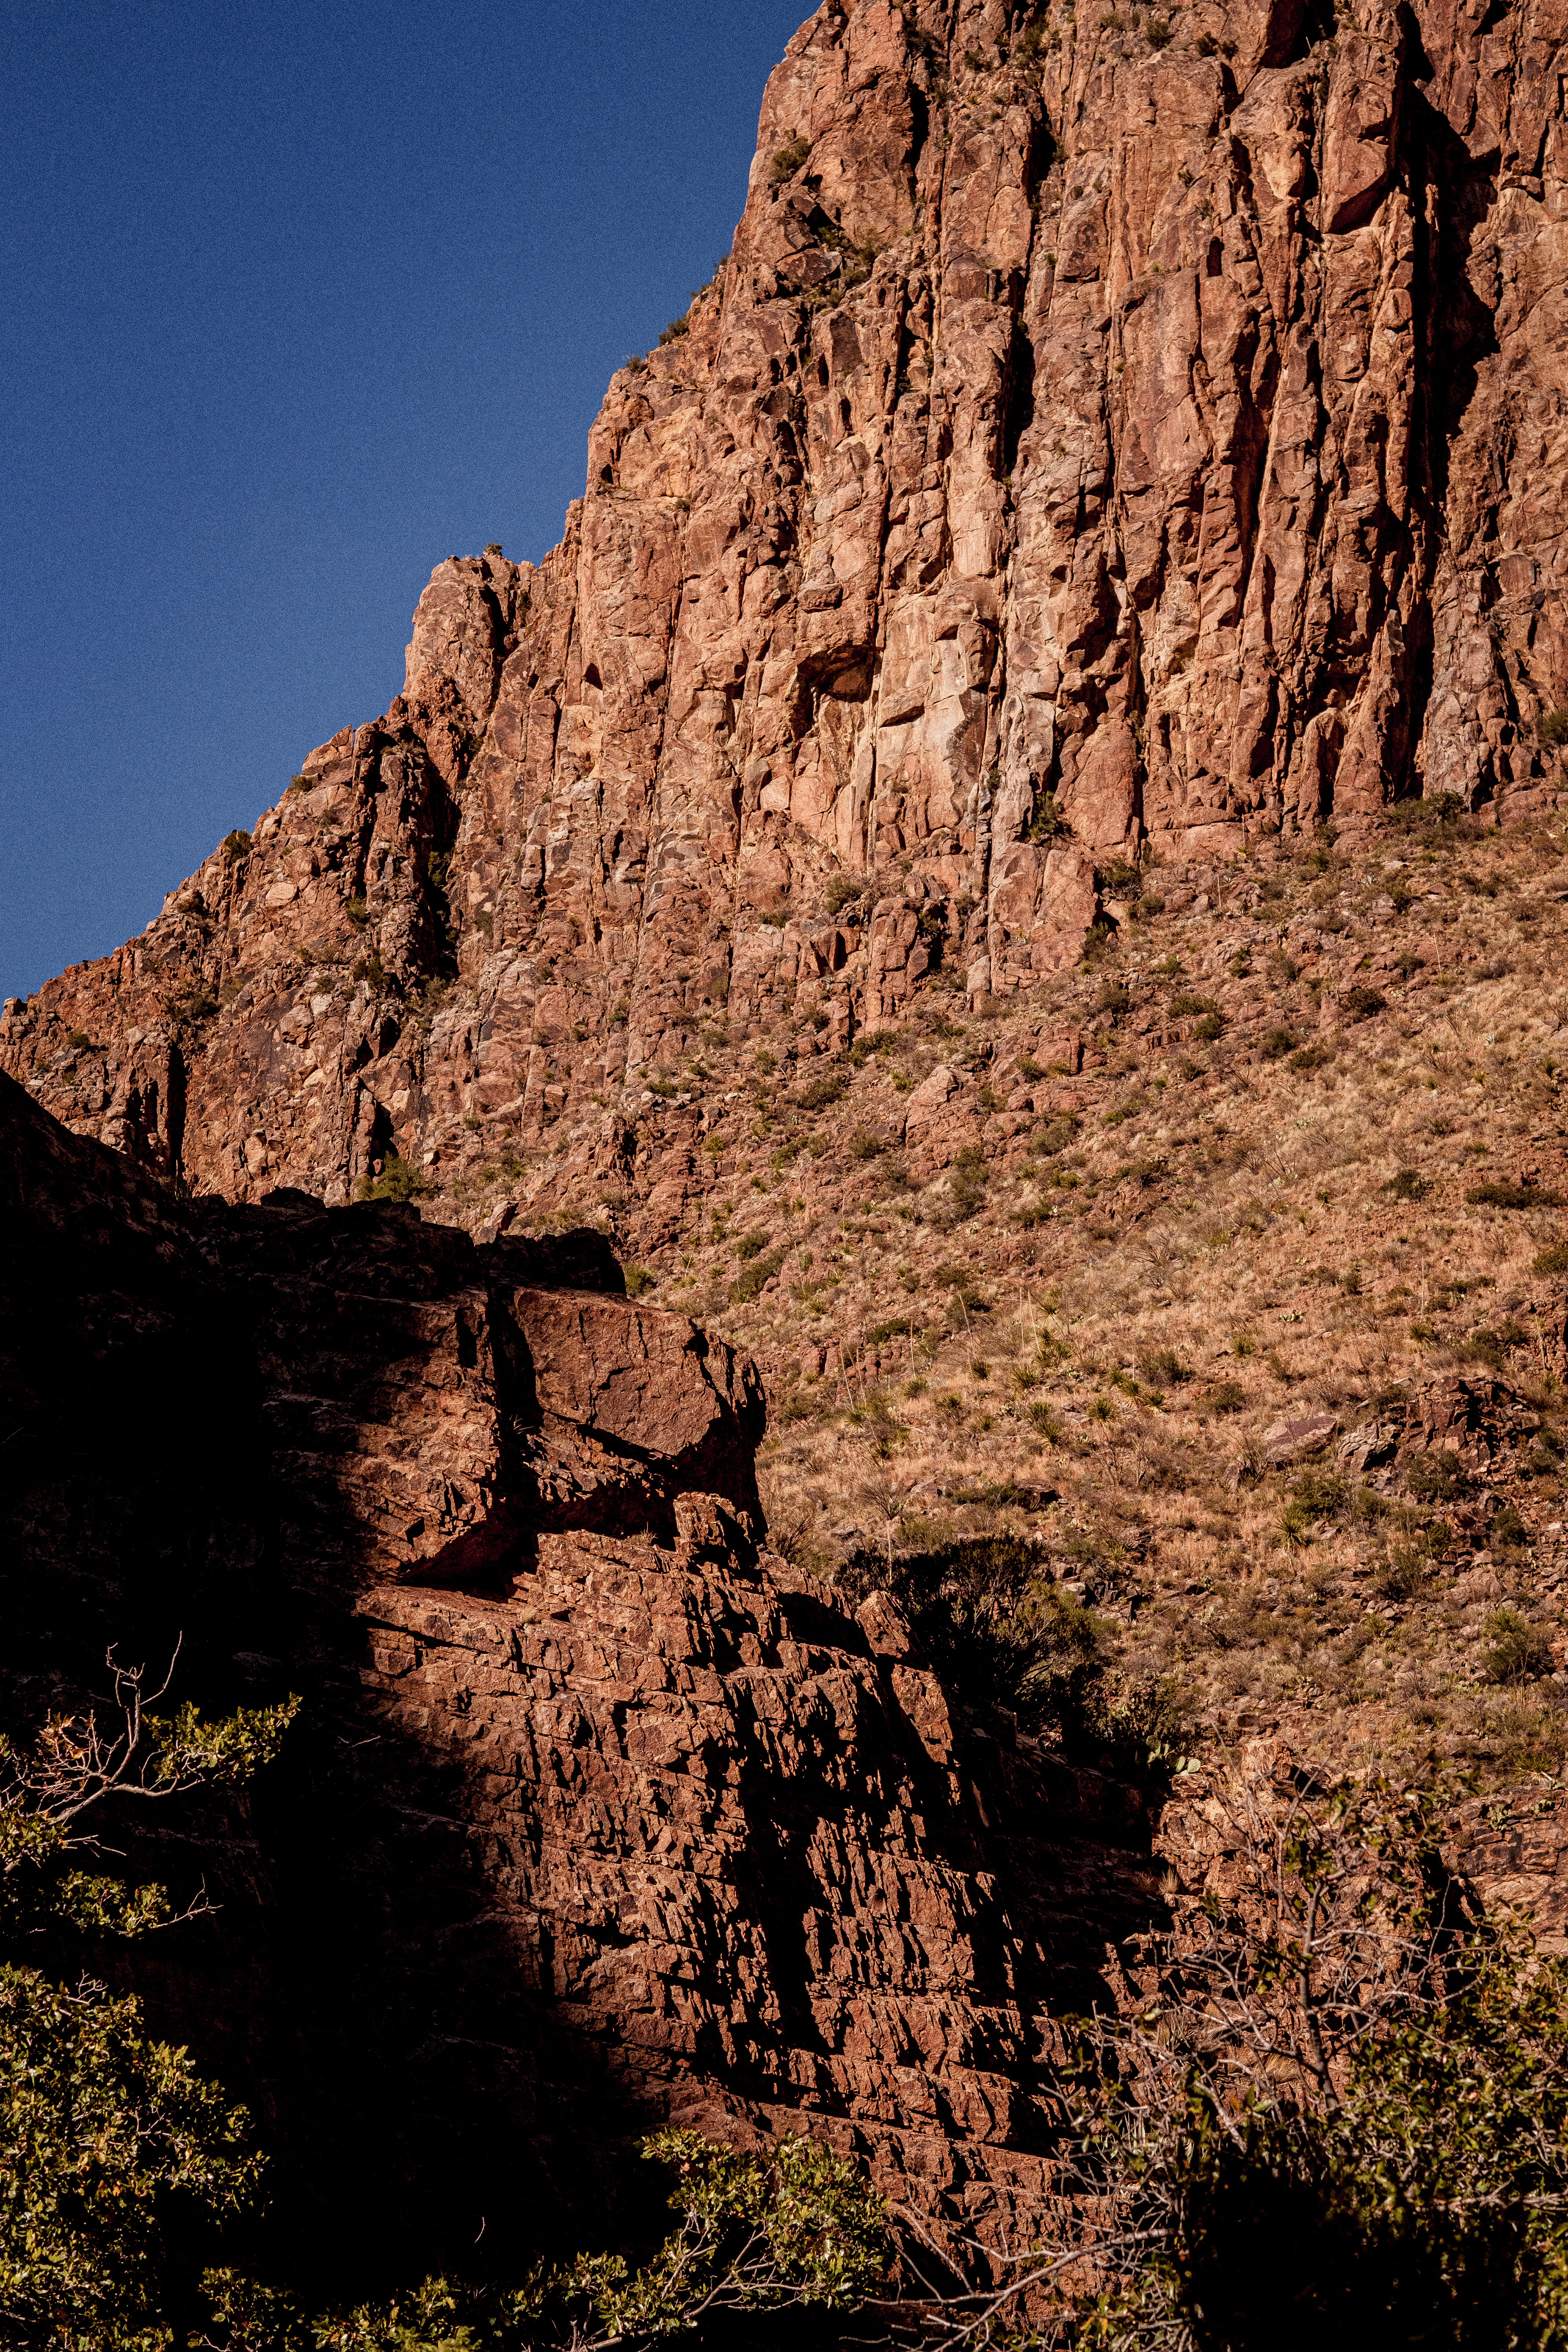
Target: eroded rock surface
[
  {"x": 597, "y": 1814},
  {"x": 1102, "y": 430}
]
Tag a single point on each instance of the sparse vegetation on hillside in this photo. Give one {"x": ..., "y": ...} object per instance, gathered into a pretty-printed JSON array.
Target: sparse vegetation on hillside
[{"x": 1324, "y": 1207}]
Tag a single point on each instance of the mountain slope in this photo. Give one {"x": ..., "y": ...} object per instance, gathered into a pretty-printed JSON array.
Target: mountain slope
[{"x": 1102, "y": 432}]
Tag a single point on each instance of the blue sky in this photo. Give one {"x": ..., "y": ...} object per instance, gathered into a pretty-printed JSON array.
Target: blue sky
[{"x": 298, "y": 300}]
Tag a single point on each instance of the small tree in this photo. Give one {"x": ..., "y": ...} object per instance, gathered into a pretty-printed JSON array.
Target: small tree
[{"x": 100, "y": 2124}]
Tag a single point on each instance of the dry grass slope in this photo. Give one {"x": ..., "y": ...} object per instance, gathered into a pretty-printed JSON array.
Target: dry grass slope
[{"x": 1284, "y": 1155}]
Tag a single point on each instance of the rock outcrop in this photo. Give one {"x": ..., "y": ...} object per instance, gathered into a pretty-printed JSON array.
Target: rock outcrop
[
  {"x": 1105, "y": 430},
  {"x": 598, "y": 1814}
]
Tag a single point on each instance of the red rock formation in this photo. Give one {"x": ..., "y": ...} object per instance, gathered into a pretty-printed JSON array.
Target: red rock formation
[
  {"x": 597, "y": 1814},
  {"x": 1101, "y": 430}
]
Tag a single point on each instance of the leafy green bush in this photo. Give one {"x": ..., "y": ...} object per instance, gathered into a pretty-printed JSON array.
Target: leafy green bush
[
  {"x": 396, "y": 1182},
  {"x": 106, "y": 2134},
  {"x": 1164, "y": 1368},
  {"x": 638, "y": 1280},
  {"x": 1408, "y": 1185},
  {"x": 236, "y": 846},
  {"x": 1552, "y": 1259}
]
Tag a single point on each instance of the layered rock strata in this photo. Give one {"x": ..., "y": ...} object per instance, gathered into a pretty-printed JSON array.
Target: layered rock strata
[
  {"x": 597, "y": 1814},
  {"x": 1106, "y": 430}
]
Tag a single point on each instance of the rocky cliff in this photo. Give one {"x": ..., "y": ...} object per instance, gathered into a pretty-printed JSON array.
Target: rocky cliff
[
  {"x": 1105, "y": 430},
  {"x": 598, "y": 1814}
]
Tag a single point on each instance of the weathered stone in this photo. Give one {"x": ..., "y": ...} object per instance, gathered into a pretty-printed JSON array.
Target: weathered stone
[{"x": 1086, "y": 445}]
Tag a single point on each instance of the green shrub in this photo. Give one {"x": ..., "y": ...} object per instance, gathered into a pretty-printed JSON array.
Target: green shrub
[
  {"x": 1225, "y": 1396},
  {"x": 396, "y": 1182},
  {"x": 864, "y": 1145},
  {"x": 819, "y": 1093},
  {"x": 1360, "y": 1003},
  {"x": 1408, "y": 1185},
  {"x": 1507, "y": 1531},
  {"x": 1504, "y": 1195},
  {"x": 788, "y": 160},
  {"x": 638, "y": 1280},
  {"x": 843, "y": 891},
  {"x": 753, "y": 1243},
  {"x": 1278, "y": 1044},
  {"x": 1517, "y": 1652},
  {"x": 1552, "y": 727},
  {"x": 756, "y": 1277},
  {"x": 236, "y": 846},
  {"x": 1552, "y": 1259},
  {"x": 1312, "y": 1058},
  {"x": 1435, "y": 1477},
  {"x": 1164, "y": 1368}
]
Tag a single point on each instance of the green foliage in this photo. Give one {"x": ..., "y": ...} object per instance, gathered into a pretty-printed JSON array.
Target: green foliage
[
  {"x": 792, "y": 2226},
  {"x": 99, "y": 2127},
  {"x": 1552, "y": 727},
  {"x": 236, "y": 846},
  {"x": 1408, "y": 1185},
  {"x": 843, "y": 891},
  {"x": 103, "y": 2130},
  {"x": 1504, "y": 1195},
  {"x": 1046, "y": 821},
  {"x": 819, "y": 1093},
  {"x": 1552, "y": 1259},
  {"x": 1516, "y": 1650},
  {"x": 638, "y": 1280},
  {"x": 1339, "y": 2113},
  {"x": 1359, "y": 1003},
  {"x": 1164, "y": 1368},
  {"x": 754, "y": 1280},
  {"x": 396, "y": 1182},
  {"x": 788, "y": 161},
  {"x": 1435, "y": 1477}
]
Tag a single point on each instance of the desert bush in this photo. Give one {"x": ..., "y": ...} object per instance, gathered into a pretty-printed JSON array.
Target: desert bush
[
  {"x": 1505, "y": 1195},
  {"x": 1342, "y": 2060},
  {"x": 1409, "y": 1184},
  {"x": 819, "y": 1093},
  {"x": 1552, "y": 1259},
  {"x": 788, "y": 160},
  {"x": 1516, "y": 1650},
  {"x": 1164, "y": 1368},
  {"x": 1435, "y": 1477},
  {"x": 396, "y": 1182},
  {"x": 843, "y": 891},
  {"x": 236, "y": 846}
]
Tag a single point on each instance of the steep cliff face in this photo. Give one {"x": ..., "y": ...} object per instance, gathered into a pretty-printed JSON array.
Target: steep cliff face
[
  {"x": 1104, "y": 429},
  {"x": 596, "y": 1814}
]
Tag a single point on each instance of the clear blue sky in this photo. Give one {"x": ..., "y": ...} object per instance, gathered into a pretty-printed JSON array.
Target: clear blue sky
[{"x": 298, "y": 299}]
